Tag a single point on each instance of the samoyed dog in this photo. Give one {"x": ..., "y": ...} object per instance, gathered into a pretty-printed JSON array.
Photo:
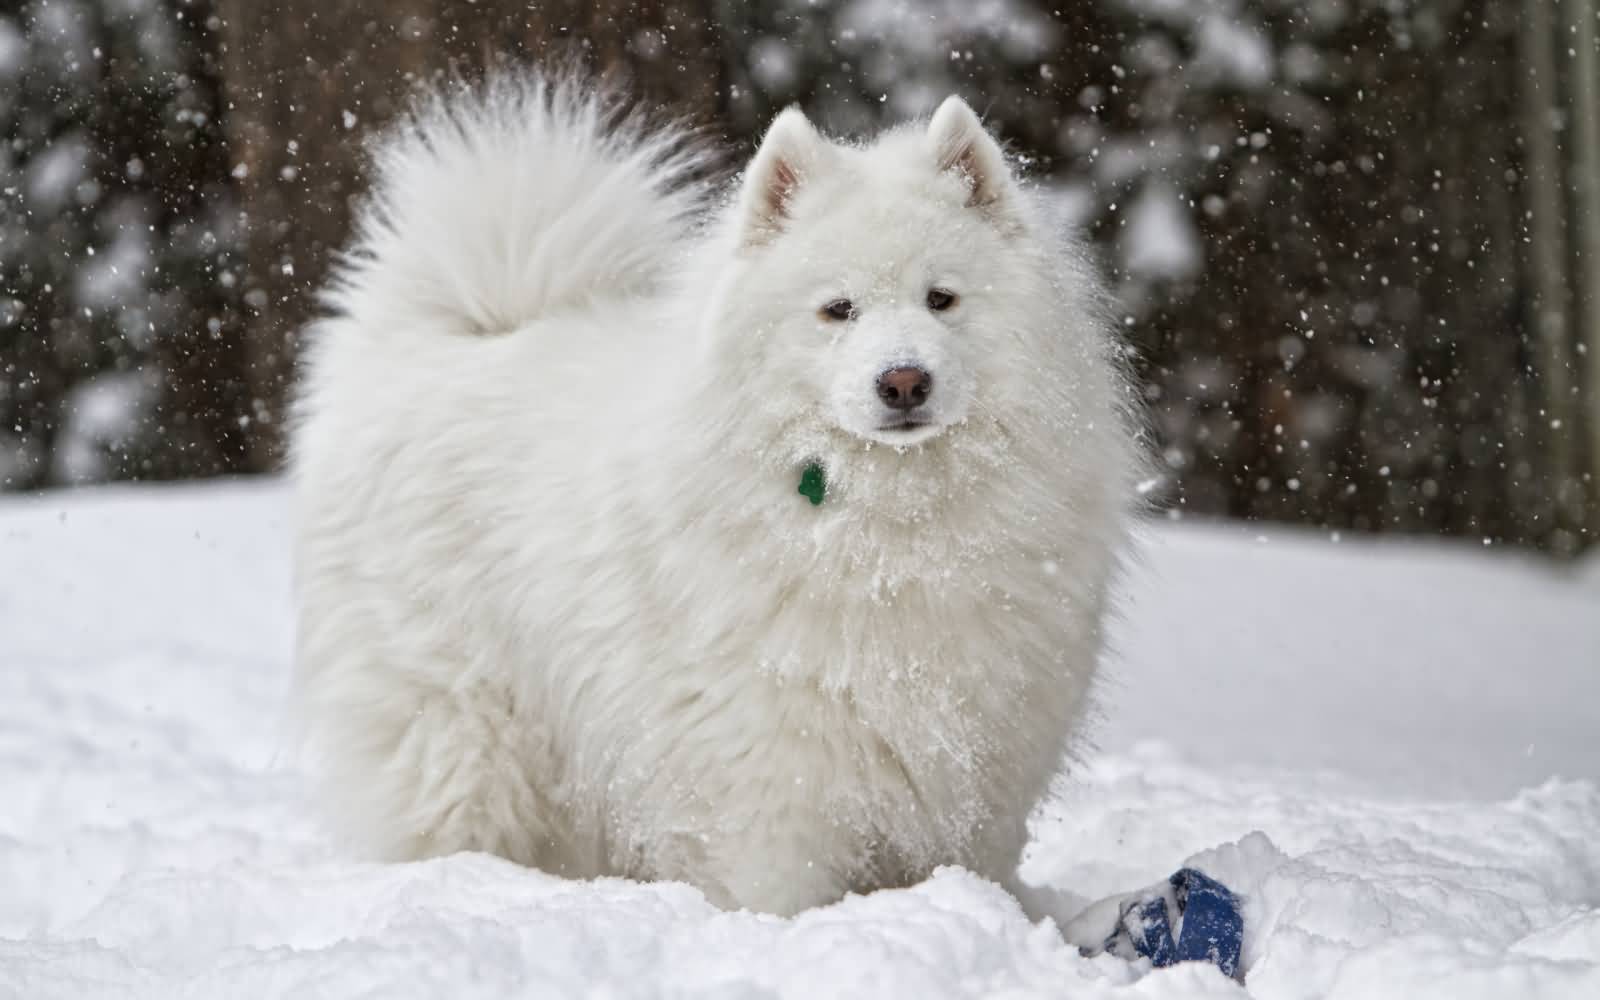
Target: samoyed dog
[{"x": 759, "y": 541}]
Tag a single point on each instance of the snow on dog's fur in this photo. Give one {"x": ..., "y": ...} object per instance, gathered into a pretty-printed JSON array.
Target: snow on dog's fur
[{"x": 560, "y": 598}]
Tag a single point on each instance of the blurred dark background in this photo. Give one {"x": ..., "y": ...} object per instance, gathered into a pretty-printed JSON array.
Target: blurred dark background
[{"x": 1357, "y": 242}]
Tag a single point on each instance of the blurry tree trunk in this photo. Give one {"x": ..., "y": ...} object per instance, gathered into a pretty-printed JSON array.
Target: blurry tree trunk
[
  {"x": 1585, "y": 86},
  {"x": 1481, "y": 367},
  {"x": 308, "y": 80},
  {"x": 1554, "y": 359}
]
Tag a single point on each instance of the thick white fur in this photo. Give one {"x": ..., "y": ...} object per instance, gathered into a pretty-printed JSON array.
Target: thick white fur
[{"x": 559, "y": 598}]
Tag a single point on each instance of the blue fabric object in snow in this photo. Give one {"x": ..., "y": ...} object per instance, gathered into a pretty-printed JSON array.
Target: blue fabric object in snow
[
  {"x": 1149, "y": 930},
  {"x": 1210, "y": 927},
  {"x": 1212, "y": 930}
]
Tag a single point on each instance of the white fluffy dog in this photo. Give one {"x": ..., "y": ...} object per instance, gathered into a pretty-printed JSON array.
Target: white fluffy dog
[{"x": 762, "y": 546}]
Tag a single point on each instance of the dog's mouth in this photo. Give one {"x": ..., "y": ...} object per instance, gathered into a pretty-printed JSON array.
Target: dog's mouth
[
  {"x": 905, "y": 431},
  {"x": 903, "y": 425}
]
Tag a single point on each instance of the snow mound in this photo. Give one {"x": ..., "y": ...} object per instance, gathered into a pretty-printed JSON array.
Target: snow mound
[{"x": 1362, "y": 739}]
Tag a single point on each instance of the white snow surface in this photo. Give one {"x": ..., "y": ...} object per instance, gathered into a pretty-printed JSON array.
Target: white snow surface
[{"x": 1391, "y": 750}]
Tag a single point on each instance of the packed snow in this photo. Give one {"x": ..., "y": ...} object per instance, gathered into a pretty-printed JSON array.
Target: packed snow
[{"x": 1390, "y": 749}]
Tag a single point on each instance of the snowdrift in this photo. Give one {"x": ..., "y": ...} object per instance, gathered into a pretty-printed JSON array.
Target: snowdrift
[{"x": 1391, "y": 749}]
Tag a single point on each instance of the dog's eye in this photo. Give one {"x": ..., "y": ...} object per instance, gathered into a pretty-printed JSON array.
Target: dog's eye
[
  {"x": 840, "y": 309},
  {"x": 939, "y": 300}
]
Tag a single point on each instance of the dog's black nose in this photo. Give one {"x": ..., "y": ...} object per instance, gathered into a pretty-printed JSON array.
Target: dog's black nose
[{"x": 904, "y": 388}]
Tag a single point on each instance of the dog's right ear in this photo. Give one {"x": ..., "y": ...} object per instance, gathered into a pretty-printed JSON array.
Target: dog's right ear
[{"x": 789, "y": 154}]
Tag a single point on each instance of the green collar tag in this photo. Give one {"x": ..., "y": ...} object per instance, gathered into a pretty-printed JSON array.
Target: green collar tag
[{"x": 813, "y": 485}]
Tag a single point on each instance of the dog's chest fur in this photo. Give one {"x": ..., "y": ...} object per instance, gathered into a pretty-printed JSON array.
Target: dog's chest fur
[{"x": 893, "y": 682}]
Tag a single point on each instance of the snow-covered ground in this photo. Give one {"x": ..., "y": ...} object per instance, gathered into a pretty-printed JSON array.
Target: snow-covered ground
[{"x": 1392, "y": 750}]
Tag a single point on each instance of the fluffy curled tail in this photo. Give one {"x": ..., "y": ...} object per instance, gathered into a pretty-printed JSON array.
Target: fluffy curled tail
[{"x": 495, "y": 206}]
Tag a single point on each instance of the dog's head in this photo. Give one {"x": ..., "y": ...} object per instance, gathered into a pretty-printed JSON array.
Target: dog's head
[{"x": 883, "y": 288}]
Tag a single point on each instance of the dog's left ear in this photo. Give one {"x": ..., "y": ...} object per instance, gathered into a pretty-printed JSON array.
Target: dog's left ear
[{"x": 965, "y": 148}]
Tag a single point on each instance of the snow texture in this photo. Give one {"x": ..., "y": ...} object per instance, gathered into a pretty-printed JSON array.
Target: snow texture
[
  {"x": 1387, "y": 748},
  {"x": 99, "y": 413},
  {"x": 55, "y": 173},
  {"x": 1161, "y": 239}
]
